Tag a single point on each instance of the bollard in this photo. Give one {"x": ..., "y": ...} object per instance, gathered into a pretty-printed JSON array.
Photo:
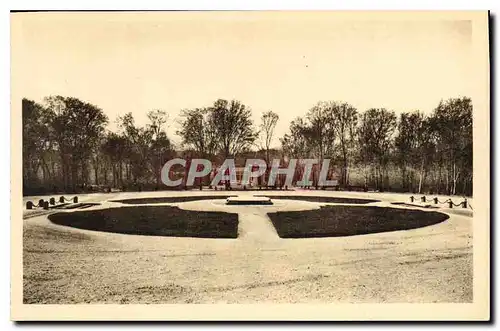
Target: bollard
[
  {"x": 450, "y": 203},
  {"x": 75, "y": 199},
  {"x": 40, "y": 203},
  {"x": 436, "y": 201},
  {"x": 46, "y": 205},
  {"x": 52, "y": 201},
  {"x": 61, "y": 199},
  {"x": 412, "y": 198},
  {"x": 464, "y": 204},
  {"x": 29, "y": 205},
  {"x": 423, "y": 198}
]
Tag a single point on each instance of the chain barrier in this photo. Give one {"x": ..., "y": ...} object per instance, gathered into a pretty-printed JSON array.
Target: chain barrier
[
  {"x": 464, "y": 204},
  {"x": 52, "y": 201}
]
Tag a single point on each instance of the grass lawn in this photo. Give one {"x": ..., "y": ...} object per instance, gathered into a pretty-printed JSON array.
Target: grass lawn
[
  {"x": 153, "y": 221},
  {"x": 142, "y": 201},
  {"x": 320, "y": 199},
  {"x": 337, "y": 221}
]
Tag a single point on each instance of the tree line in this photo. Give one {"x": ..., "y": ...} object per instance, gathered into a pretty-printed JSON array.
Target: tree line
[
  {"x": 67, "y": 147},
  {"x": 430, "y": 153}
]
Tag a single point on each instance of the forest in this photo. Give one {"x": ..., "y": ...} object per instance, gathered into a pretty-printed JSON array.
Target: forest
[{"x": 68, "y": 147}]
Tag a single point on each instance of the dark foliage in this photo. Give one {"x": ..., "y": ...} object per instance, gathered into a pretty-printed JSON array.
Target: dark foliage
[
  {"x": 152, "y": 221},
  {"x": 338, "y": 221}
]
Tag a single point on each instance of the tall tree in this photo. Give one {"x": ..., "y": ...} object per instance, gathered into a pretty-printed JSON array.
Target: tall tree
[
  {"x": 452, "y": 121},
  {"x": 232, "y": 126},
  {"x": 160, "y": 146},
  {"x": 114, "y": 148},
  {"x": 139, "y": 140},
  {"x": 37, "y": 141},
  {"x": 406, "y": 144},
  {"x": 320, "y": 130},
  {"x": 198, "y": 132},
  {"x": 157, "y": 120},
  {"x": 295, "y": 143},
  {"x": 312, "y": 136},
  {"x": 345, "y": 119},
  {"x": 77, "y": 126},
  {"x": 268, "y": 122},
  {"x": 375, "y": 136}
]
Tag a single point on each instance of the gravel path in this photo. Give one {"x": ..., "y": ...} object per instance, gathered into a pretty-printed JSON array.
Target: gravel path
[
  {"x": 67, "y": 265},
  {"x": 256, "y": 227}
]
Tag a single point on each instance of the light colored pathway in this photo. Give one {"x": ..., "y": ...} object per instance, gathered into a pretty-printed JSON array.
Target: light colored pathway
[{"x": 256, "y": 226}]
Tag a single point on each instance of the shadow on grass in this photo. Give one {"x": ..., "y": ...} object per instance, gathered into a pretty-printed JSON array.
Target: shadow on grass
[
  {"x": 320, "y": 199},
  {"x": 143, "y": 201},
  {"x": 338, "y": 221},
  {"x": 152, "y": 221}
]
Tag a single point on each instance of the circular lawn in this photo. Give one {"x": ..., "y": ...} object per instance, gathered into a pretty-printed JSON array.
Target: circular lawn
[
  {"x": 338, "y": 221},
  {"x": 152, "y": 221}
]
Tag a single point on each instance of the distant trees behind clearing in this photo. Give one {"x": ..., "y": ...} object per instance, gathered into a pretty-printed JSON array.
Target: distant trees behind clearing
[{"x": 66, "y": 145}]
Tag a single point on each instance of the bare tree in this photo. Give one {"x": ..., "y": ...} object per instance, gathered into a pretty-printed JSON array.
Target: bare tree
[
  {"x": 345, "y": 119},
  {"x": 452, "y": 122},
  {"x": 375, "y": 136},
  {"x": 268, "y": 123},
  {"x": 320, "y": 130},
  {"x": 64, "y": 140},
  {"x": 157, "y": 119},
  {"x": 405, "y": 142}
]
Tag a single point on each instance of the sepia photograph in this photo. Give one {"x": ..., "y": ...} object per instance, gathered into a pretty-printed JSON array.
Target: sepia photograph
[{"x": 271, "y": 165}]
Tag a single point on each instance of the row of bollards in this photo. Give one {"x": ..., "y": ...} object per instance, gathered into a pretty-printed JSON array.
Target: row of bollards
[
  {"x": 436, "y": 201},
  {"x": 45, "y": 204}
]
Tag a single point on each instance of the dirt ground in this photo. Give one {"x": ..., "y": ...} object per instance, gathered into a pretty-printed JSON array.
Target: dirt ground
[{"x": 68, "y": 265}]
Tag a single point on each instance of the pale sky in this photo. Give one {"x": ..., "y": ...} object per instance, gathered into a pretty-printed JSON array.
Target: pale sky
[{"x": 285, "y": 62}]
